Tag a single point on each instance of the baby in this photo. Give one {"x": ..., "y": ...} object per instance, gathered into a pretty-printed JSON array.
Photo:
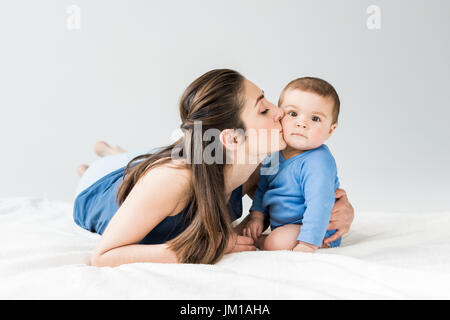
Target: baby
[{"x": 299, "y": 196}]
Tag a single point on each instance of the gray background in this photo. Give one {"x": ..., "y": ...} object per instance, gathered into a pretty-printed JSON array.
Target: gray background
[{"x": 120, "y": 76}]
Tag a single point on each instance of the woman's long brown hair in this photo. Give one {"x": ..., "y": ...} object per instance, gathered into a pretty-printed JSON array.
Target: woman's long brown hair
[{"x": 216, "y": 99}]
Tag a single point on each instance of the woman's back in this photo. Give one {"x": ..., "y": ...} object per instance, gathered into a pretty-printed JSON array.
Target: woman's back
[{"x": 95, "y": 206}]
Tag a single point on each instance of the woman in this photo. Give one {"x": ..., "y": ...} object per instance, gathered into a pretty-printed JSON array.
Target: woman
[{"x": 179, "y": 210}]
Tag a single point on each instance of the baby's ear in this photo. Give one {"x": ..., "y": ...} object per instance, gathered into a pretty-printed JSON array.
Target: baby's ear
[{"x": 333, "y": 127}]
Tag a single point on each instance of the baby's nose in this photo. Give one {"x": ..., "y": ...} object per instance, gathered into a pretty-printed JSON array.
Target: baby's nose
[{"x": 301, "y": 124}]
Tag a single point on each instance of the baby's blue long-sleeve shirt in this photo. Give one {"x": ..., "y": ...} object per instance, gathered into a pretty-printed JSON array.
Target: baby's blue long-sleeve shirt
[{"x": 300, "y": 191}]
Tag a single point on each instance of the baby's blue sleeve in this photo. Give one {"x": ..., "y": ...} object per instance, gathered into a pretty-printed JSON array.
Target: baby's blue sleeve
[
  {"x": 319, "y": 182},
  {"x": 259, "y": 195}
]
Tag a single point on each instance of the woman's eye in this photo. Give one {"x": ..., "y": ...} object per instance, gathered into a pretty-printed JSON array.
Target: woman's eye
[
  {"x": 315, "y": 119},
  {"x": 292, "y": 114},
  {"x": 265, "y": 111}
]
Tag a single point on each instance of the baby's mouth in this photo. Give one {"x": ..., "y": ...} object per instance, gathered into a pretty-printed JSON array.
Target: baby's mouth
[{"x": 298, "y": 134}]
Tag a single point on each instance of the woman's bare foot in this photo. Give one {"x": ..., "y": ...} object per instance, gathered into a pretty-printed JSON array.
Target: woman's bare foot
[
  {"x": 101, "y": 148},
  {"x": 82, "y": 169}
]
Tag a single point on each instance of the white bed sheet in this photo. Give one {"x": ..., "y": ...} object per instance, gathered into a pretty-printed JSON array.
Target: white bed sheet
[{"x": 44, "y": 255}]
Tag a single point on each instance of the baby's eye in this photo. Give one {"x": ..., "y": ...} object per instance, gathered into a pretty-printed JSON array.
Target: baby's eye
[
  {"x": 292, "y": 114},
  {"x": 265, "y": 111},
  {"x": 315, "y": 119}
]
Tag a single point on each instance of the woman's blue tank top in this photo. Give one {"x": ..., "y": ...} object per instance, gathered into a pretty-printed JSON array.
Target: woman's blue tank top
[{"x": 96, "y": 205}]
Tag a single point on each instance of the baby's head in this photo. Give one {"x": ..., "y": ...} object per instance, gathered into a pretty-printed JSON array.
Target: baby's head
[{"x": 311, "y": 107}]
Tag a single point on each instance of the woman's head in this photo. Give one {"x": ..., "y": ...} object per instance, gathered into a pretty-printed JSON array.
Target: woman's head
[
  {"x": 262, "y": 122},
  {"x": 224, "y": 105},
  {"x": 210, "y": 109},
  {"x": 221, "y": 105},
  {"x": 215, "y": 99}
]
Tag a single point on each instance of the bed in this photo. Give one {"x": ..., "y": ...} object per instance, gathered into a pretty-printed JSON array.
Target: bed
[{"x": 386, "y": 255}]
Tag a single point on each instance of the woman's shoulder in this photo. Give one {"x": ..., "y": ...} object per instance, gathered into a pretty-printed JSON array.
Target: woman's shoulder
[
  {"x": 172, "y": 181},
  {"x": 174, "y": 173}
]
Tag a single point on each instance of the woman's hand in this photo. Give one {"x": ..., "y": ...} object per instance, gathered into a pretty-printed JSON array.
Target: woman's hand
[
  {"x": 238, "y": 243},
  {"x": 341, "y": 216}
]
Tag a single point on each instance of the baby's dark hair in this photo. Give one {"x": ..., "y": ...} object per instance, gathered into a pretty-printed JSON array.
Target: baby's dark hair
[{"x": 317, "y": 86}]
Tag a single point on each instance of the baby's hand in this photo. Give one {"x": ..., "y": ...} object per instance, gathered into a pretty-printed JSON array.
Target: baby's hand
[
  {"x": 305, "y": 247},
  {"x": 255, "y": 225}
]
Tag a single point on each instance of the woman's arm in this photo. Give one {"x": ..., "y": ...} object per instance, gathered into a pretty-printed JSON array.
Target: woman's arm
[
  {"x": 135, "y": 253},
  {"x": 341, "y": 216},
  {"x": 146, "y": 206}
]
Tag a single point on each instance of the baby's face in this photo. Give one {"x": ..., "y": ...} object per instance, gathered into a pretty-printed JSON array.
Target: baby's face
[{"x": 307, "y": 122}]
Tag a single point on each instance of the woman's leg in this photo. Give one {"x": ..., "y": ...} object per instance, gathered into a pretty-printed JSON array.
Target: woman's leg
[
  {"x": 81, "y": 169},
  {"x": 112, "y": 158},
  {"x": 101, "y": 148}
]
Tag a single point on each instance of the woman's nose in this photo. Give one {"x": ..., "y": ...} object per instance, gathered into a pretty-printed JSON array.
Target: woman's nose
[{"x": 279, "y": 113}]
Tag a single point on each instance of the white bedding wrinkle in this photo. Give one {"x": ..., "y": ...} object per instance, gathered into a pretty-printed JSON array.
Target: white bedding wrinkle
[{"x": 386, "y": 255}]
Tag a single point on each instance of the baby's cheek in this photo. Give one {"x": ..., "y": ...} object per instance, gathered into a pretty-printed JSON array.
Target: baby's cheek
[
  {"x": 286, "y": 124},
  {"x": 318, "y": 136}
]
